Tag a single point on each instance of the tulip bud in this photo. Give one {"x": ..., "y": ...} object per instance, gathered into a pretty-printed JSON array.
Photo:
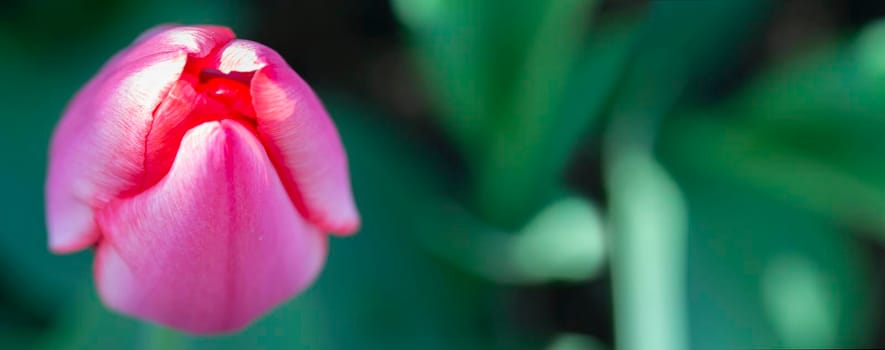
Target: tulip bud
[{"x": 206, "y": 173}]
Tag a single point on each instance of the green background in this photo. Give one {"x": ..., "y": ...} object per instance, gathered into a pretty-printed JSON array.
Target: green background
[{"x": 570, "y": 174}]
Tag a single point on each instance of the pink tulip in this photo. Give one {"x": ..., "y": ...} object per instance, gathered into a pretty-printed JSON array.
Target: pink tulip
[{"x": 205, "y": 172}]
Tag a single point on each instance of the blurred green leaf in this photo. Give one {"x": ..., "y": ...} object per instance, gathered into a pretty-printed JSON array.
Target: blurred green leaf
[
  {"x": 810, "y": 121},
  {"x": 679, "y": 44},
  {"x": 832, "y": 85},
  {"x": 737, "y": 236},
  {"x": 529, "y": 153},
  {"x": 474, "y": 54},
  {"x": 463, "y": 51},
  {"x": 498, "y": 78},
  {"x": 837, "y": 191},
  {"x": 597, "y": 72},
  {"x": 512, "y": 178},
  {"x": 769, "y": 175}
]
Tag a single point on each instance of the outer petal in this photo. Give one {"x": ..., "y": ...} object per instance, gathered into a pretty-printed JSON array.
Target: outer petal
[
  {"x": 214, "y": 244},
  {"x": 97, "y": 151},
  {"x": 299, "y": 136}
]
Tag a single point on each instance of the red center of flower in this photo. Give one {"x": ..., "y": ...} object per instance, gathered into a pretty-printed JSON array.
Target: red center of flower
[
  {"x": 229, "y": 91},
  {"x": 201, "y": 94}
]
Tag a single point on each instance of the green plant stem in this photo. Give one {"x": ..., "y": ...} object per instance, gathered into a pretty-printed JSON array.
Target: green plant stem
[
  {"x": 648, "y": 253},
  {"x": 157, "y": 337}
]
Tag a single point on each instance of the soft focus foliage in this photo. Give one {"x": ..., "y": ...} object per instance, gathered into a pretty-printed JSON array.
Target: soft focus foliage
[{"x": 534, "y": 174}]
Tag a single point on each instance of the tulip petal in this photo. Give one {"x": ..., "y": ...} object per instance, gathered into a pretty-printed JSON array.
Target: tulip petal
[
  {"x": 98, "y": 149},
  {"x": 214, "y": 244},
  {"x": 299, "y": 136},
  {"x": 197, "y": 41}
]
